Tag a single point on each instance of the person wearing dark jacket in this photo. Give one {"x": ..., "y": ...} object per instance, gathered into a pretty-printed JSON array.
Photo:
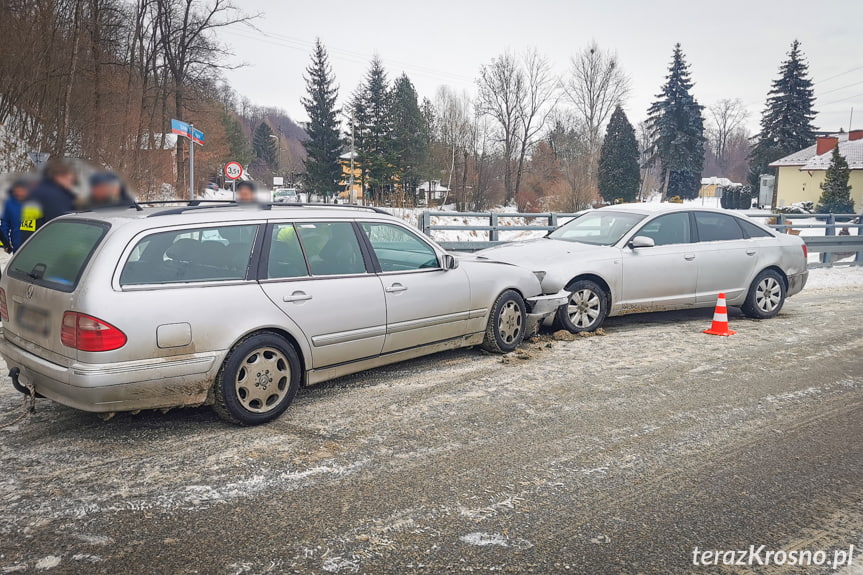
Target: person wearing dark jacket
[
  {"x": 107, "y": 191},
  {"x": 53, "y": 197},
  {"x": 10, "y": 224}
]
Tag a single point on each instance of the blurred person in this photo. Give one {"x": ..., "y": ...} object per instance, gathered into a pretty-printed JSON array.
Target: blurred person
[
  {"x": 108, "y": 191},
  {"x": 246, "y": 192},
  {"x": 51, "y": 198},
  {"x": 10, "y": 224}
]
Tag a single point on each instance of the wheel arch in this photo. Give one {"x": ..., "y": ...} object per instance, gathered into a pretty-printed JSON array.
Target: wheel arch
[
  {"x": 287, "y": 336},
  {"x": 778, "y": 270},
  {"x": 598, "y": 280}
]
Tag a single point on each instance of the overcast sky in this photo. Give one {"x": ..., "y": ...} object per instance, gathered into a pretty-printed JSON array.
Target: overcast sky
[{"x": 734, "y": 47}]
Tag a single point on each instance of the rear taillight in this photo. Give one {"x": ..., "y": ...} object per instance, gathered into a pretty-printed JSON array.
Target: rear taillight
[
  {"x": 805, "y": 252},
  {"x": 4, "y": 309},
  {"x": 86, "y": 333}
]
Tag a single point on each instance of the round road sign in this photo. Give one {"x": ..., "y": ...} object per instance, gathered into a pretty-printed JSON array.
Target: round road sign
[{"x": 233, "y": 170}]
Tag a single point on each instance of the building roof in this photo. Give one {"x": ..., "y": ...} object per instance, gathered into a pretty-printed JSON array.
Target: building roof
[{"x": 808, "y": 160}]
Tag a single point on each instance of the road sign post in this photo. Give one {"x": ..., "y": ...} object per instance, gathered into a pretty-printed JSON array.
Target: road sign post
[
  {"x": 195, "y": 137},
  {"x": 233, "y": 171}
]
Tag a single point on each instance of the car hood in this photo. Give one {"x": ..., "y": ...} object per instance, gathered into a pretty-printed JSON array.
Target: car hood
[{"x": 539, "y": 253}]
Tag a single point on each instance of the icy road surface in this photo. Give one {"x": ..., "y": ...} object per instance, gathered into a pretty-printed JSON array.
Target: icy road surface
[{"x": 614, "y": 454}]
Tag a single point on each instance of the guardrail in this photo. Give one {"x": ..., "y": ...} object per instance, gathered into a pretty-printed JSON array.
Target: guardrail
[{"x": 831, "y": 244}]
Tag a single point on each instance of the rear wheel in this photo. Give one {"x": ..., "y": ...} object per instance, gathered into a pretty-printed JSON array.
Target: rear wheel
[
  {"x": 506, "y": 323},
  {"x": 766, "y": 295},
  {"x": 258, "y": 380},
  {"x": 586, "y": 308}
]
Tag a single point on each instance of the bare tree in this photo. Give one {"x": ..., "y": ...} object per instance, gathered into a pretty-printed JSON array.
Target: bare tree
[
  {"x": 501, "y": 95},
  {"x": 595, "y": 86},
  {"x": 540, "y": 97},
  {"x": 190, "y": 50},
  {"x": 518, "y": 94},
  {"x": 727, "y": 117}
]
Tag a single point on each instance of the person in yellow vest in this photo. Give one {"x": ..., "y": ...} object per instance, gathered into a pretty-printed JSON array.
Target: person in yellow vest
[{"x": 53, "y": 197}]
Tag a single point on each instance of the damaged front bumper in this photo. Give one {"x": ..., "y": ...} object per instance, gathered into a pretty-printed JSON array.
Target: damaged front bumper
[{"x": 543, "y": 306}]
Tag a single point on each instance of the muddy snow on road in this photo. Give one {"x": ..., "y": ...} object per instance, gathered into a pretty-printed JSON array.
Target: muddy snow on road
[{"x": 614, "y": 453}]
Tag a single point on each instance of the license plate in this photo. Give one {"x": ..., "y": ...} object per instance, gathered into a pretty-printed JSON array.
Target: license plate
[{"x": 33, "y": 320}]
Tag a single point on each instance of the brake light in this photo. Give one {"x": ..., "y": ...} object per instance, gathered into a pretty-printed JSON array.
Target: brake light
[
  {"x": 805, "y": 252},
  {"x": 87, "y": 333},
  {"x": 4, "y": 309}
]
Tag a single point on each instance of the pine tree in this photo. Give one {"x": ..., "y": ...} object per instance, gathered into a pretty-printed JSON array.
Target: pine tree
[
  {"x": 410, "y": 134},
  {"x": 324, "y": 144},
  {"x": 619, "y": 173},
  {"x": 238, "y": 143},
  {"x": 786, "y": 123},
  {"x": 677, "y": 131},
  {"x": 373, "y": 129},
  {"x": 265, "y": 147},
  {"x": 835, "y": 191}
]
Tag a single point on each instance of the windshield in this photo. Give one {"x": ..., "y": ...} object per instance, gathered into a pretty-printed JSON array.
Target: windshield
[
  {"x": 600, "y": 228},
  {"x": 57, "y": 254}
]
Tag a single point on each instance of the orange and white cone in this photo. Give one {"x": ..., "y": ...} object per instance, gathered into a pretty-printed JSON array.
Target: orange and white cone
[{"x": 720, "y": 319}]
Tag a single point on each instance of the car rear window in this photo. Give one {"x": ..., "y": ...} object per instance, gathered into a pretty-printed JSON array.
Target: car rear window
[{"x": 55, "y": 257}]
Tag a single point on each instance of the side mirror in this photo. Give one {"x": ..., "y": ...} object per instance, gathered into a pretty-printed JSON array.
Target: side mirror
[
  {"x": 641, "y": 242},
  {"x": 449, "y": 262}
]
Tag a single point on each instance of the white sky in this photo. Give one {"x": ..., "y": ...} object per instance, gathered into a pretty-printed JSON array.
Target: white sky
[{"x": 734, "y": 47}]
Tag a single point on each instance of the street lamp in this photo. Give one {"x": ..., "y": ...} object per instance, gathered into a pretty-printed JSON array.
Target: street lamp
[{"x": 278, "y": 153}]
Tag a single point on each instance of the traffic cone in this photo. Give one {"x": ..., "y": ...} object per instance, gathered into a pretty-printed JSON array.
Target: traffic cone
[{"x": 720, "y": 319}]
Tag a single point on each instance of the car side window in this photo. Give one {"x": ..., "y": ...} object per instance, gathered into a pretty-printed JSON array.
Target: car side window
[
  {"x": 331, "y": 248},
  {"x": 190, "y": 255},
  {"x": 668, "y": 229},
  {"x": 286, "y": 259},
  {"x": 715, "y": 227},
  {"x": 398, "y": 250},
  {"x": 753, "y": 231}
]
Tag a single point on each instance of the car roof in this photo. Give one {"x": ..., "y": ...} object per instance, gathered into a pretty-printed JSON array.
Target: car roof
[
  {"x": 181, "y": 213},
  {"x": 649, "y": 208}
]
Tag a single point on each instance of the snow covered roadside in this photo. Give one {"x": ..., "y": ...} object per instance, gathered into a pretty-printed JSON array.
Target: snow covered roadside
[{"x": 836, "y": 277}]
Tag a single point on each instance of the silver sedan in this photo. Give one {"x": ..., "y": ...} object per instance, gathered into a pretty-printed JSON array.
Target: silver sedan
[{"x": 654, "y": 257}]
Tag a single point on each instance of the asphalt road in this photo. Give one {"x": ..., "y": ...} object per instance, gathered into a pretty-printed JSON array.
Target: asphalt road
[{"x": 617, "y": 454}]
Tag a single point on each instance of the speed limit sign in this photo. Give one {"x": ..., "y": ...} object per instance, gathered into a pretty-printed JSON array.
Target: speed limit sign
[{"x": 233, "y": 170}]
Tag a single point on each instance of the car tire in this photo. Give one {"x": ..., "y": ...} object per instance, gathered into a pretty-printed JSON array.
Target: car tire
[
  {"x": 506, "y": 323},
  {"x": 258, "y": 380},
  {"x": 766, "y": 295},
  {"x": 586, "y": 309}
]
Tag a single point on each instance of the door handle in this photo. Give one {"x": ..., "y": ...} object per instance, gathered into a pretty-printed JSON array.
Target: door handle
[
  {"x": 689, "y": 257},
  {"x": 297, "y": 296},
  {"x": 751, "y": 252},
  {"x": 395, "y": 288}
]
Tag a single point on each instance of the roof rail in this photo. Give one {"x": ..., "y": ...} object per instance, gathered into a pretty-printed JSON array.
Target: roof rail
[
  {"x": 190, "y": 206},
  {"x": 269, "y": 206}
]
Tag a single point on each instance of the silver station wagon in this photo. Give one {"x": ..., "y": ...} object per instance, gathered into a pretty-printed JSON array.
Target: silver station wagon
[
  {"x": 653, "y": 257},
  {"x": 237, "y": 306}
]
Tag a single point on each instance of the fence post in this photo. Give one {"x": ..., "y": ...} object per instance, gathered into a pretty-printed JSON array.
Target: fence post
[
  {"x": 425, "y": 222},
  {"x": 827, "y": 257},
  {"x": 780, "y": 221},
  {"x": 552, "y": 220},
  {"x": 492, "y": 221}
]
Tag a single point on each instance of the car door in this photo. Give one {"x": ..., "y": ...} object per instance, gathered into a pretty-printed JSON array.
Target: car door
[
  {"x": 726, "y": 261},
  {"x": 316, "y": 273},
  {"x": 425, "y": 303},
  {"x": 663, "y": 276}
]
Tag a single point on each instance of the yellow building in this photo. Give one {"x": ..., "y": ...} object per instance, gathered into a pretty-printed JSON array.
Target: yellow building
[{"x": 799, "y": 175}]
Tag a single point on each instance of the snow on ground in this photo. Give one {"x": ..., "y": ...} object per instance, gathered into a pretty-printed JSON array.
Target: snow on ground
[{"x": 836, "y": 277}]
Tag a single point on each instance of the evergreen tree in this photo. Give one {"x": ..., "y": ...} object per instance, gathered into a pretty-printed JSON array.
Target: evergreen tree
[
  {"x": 410, "y": 135},
  {"x": 835, "y": 191},
  {"x": 619, "y": 173},
  {"x": 238, "y": 143},
  {"x": 324, "y": 145},
  {"x": 373, "y": 131},
  {"x": 786, "y": 123},
  {"x": 264, "y": 146},
  {"x": 677, "y": 131}
]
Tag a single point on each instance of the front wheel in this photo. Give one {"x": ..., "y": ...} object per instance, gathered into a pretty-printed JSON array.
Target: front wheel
[
  {"x": 258, "y": 380},
  {"x": 506, "y": 323},
  {"x": 586, "y": 308},
  {"x": 766, "y": 295}
]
